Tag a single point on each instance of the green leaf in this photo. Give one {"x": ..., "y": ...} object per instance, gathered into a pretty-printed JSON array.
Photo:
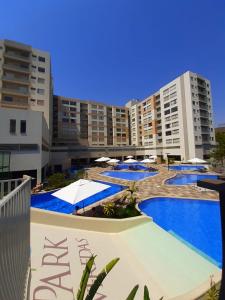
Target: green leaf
[
  {"x": 101, "y": 276},
  {"x": 133, "y": 293},
  {"x": 85, "y": 277},
  {"x": 146, "y": 293}
]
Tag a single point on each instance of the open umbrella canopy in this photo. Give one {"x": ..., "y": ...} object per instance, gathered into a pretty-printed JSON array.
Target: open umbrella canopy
[
  {"x": 130, "y": 160},
  {"x": 129, "y": 156},
  {"x": 113, "y": 161},
  {"x": 80, "y": 190},
  {"x": 196, "y": 161},
  {"x": 148, "y": 161},
  {"x": 102, "y": 159},
  {"x": 153, "y": 156}
]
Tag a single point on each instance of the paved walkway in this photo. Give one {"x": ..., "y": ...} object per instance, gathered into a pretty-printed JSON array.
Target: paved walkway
[{"x": 154, "y": 186}]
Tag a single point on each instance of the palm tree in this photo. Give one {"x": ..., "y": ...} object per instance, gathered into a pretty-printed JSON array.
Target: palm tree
[{"x": 98, "y": 281}]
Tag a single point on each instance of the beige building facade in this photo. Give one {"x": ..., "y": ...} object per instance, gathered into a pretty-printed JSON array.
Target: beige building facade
[{"x": 177, "y": 120}]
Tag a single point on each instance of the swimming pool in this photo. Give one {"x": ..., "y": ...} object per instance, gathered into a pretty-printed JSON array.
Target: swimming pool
[
  {"x": 134, "y": 166},
  {"x": 194, "y": 222},
  {"x": 49, "y": 202},
  {"x": 187, "y": 168},
  {"x": 183, "y": 179},
  {"x": 129, "y": 175}
]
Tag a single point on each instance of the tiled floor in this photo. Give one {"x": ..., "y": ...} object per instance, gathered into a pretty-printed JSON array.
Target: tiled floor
[{"x": 154, "y": 186}]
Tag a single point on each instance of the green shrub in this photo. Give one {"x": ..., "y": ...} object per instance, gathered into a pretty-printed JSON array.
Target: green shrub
[{"x": 56, "y": 180}]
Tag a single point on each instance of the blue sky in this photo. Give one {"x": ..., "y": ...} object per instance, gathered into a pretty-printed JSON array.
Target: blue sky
[{"x": 115, "y": 50}]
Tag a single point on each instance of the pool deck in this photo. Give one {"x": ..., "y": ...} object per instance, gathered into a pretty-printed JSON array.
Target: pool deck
[
  {"x": 61, "y": 244},
  {"x": 154, "y": 186}
]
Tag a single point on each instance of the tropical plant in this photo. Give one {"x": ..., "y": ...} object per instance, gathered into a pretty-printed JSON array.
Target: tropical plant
[
  {"x": 99, "y": 279},
  {"x": 219, "y": 153},
  {"x": 109, "y": 208},
  {"x": 132, "y": 197},
  {"x": 213, "y": 292}
]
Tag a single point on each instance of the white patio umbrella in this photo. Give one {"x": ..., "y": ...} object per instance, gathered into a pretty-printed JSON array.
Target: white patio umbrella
[
  {"x": 113, "y": 161},
  {"x": 129, "y": 156},
  {"x": 196, "y": 161},
  {"x": 153, "y": 156},
  {"x": 80, "y": 190},
  {"x": 102, "y": 159},
  {"x": 148, "y": 161},
  {"x": 130, "y": 160}
]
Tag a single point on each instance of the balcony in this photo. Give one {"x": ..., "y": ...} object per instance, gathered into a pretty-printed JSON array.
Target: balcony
[
  {"x": 17, "y": 68},
  {"x": 17, "y": 55},
  {"x": 15, "y": 102},
  {"x": 16, "y": 79},
  {"x": 15, "y": 91},
  {"x": 204, "y": 114},
  {"x": 203, "y": 106}
]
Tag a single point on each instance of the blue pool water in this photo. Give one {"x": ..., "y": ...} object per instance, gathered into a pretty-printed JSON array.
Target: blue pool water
[
  {"x": 129, "y": 175},
  {"x": 49, "y": 202},
  {"x": 182, "y": 179},
  {"x": 136, "y": 166},
  {"x": 197, "y": 222},
  {"x": 186, "y": 168}
]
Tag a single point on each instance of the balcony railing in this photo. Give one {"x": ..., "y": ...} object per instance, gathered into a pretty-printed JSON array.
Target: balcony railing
[
  {"x": 14, "y": 238},
  {"x": 13, "y": 90},
  {"x": 16, "y": 55},
  {"x": 16, "y": 79},
  {"x": 16, "y": 67}
]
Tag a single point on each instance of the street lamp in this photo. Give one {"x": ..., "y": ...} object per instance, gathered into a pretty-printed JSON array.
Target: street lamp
[{"x": 168, "y": 163}]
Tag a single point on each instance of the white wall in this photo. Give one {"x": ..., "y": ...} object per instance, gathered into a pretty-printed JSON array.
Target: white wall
[{"x": 36, "y": 127}]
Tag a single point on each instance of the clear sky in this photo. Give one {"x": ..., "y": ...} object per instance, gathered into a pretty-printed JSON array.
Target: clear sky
[{"x": 115, "y": 50}]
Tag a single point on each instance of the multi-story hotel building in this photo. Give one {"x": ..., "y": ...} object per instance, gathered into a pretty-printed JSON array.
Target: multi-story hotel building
[
  {"x": 177, "y": 120},
  {"x": 25, "y": 95},
  {"x": 84, "y": 130}
]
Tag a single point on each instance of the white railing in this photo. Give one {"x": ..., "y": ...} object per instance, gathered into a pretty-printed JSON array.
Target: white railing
[{"x": 14, "y": 238}]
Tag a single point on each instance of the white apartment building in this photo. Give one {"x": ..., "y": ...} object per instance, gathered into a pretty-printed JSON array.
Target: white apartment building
[
  {"x": 177, "y": 120},
  {"x": 25, "y": 92}
]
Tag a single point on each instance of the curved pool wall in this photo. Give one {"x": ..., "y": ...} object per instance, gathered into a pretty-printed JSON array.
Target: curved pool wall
[
  {"x": 194, "y": 222},
  {"x": 48, "y": 202},
  {"x": 132, "y": 175},
  {"x": 187, "y": 167},
  {"x": 183, "y": 179}
]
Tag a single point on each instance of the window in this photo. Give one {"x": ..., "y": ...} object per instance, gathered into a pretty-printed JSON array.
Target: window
[
  {"x": 41, "y": 91},
  {"x": 41, "y": 80},
  {"x": 40, "y": 102},
  {"x": 167, "y": 126},
  {"x": 167, "y": 105},
  {"x": 175, "y": 131},
  {"x": 176, "y": 141},
  {"x": 167, "y": 112},
  {"x": 12, "y": 127},
  {"x": 23, "y": 127},
  {"x": 169, "y": 141},
  {"x": 65, "y": 102},
  {"x": 41, "y": 58},
  {"x": 168, "y": 133},
  {"x": 40, "y": 69},
  {"x": 73, "y": 109},
  {"x": 8, "y": 98},
  {"x": 174, "y": 124},
  {"x": 173, "y": 109},
  {"x": 173, "y": 102}
]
